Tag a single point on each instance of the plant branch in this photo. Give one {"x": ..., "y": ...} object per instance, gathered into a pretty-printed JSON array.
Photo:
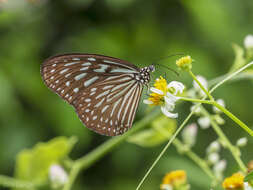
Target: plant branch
[
  {"x": 6, "y": 181},
  {"x": 87, "y": 160},
  {"x": 234, "y": 150}
]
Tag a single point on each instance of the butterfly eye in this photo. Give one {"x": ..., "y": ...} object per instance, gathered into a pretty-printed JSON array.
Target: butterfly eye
[{"x": 104, "y": 91}]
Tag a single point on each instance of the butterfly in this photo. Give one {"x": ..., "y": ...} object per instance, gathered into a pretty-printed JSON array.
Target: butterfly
[{"x": 104, "y": 91}]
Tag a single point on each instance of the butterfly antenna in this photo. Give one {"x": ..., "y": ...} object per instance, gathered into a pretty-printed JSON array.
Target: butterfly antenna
[{"x": 162, "y": 58}]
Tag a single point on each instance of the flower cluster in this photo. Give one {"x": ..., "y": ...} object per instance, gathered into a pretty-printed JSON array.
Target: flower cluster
[
  {"x": 165, "y": 95},
  {"x": 236, "y": 182}
]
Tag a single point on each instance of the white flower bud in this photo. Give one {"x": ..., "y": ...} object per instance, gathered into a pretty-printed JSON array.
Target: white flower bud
[
  {"x": 221, "y": 102},
  {"x": 204, "y": 83},
  {"x": 204, "y": 122},
  {"x": 189, "y": 134},
  {"x": 196, "y": 109},
  {"x": 213, "y": 158},
  {"x": 57, "y": 175},
  {"x": 242, "y": 142},
  {"x": 213, "y": 147},
  {"x": 220, "y": 166},
  {"x": 248, "y": 41}
]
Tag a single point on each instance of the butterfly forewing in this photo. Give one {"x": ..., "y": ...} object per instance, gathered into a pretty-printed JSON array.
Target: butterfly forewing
[{"x": 102, "y": 89}]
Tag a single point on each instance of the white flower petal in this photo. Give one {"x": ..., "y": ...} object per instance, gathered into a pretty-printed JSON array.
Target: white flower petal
[
  {"x": 146, "y": 101},
  {"x": 167, "y": 113},
  {"x": 157, "y": 91},
  {"x": 169, "y": 103},
  {"x": 248, "y": 41},
  {"x": 178, "y": 86},
  {"x": 172, "y": 97}
]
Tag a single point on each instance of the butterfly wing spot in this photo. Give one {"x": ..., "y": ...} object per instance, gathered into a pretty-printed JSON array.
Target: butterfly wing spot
[
  {"x": 72, "y": 63},
  {"x": 52, "y": 77},
  {"x": 76, "y": 90},
  {"x": 76, "y": 59},
  {"x": 64, "y": 71},
  {"x": 62, "y": 91},
  {"x": 80, "y": 76},
  {"x": 90, "y": 81},
  {"x": 67, "y": 75},
  {"x": 91, "y": 59},
  {"x": 93, "y": 89},
  {"x": 87, "y": 110},
  {"x": 99, "y": 103},
  {"x": 57, "y": 81},
  {"x": 68, "y": 83},
  {"x": 95, "y": 117},
  {"x": 104, "y": 109},
  {"x": 87, "y": 100},
  {"x": 86, "y": 64},
  {"x": 54, "y": 65},
  {"x": 84, "y": 68},
  {"x": 53, "y": 70},
  {"x": 101, "y": 69}
]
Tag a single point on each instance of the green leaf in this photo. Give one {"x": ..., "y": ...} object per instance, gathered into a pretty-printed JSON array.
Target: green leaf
[
  {"x": 239, "y": 58},
  {"x": 249, "y": 177},
  {"x": 162, "y": 129},
  {"x": 33, "y": 164}
]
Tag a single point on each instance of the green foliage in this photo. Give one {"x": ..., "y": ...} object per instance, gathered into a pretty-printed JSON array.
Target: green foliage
[
  {"x": 33, "y": 164},
  {"x": 161, "y": 129},
  {"x": 249, "y": 178}
]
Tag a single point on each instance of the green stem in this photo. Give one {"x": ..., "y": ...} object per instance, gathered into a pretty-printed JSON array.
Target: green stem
[
  {"x": 16, "y": 183},
  {"x": 196, "y": 100},
  {"x": 233, "y": 149},
  {"x": 195, "y": 158},
  {"x": 200, "y": 85},
  {"x": 164, "y": 149},
  {"x": 187, "y": 151},
  {"x": 234, "y": 118},
  {"x": 87, "y": 160},
  {"x": 224, "y": 110}
]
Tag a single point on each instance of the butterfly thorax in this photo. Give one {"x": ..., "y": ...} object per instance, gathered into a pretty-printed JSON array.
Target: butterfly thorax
[{"x": 144, "y": 74}]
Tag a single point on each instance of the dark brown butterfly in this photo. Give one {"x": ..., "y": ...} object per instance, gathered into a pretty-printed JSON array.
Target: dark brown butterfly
[{"x": 104, "y": 91}]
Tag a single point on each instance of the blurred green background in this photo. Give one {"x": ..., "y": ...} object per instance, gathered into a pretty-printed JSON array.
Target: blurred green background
[{"x": 139, "y": 31}]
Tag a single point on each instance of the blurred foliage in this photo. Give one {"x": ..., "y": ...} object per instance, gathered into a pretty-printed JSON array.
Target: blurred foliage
[
  {"x": 33, "y": 164},
  {"x": 153, "y": 136},
  {"x": 139, "y": 31}
]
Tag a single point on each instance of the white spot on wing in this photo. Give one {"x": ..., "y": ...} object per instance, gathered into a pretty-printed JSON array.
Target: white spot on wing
[
  {"x": 64, "y": 70},
  {"x": 69, "y": 64},
  {"x": 67, "y": 75},
  {"x": 91, "y": 59},
  {"x": 119, "y": 70},
  {"x": 80, "y": 76},
  {"x": 86, "y": 64},
  {"x": 67, "y": 83},
  {"x": 102, "y": 69},
  {"x": 76, "y": 90},
  {"x": 90, "y": 81},
  {"x": 104, "y": 109},
  {"x": 84, "y": 69}
]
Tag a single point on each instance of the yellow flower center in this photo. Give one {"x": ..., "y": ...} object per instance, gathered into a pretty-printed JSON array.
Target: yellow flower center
[
  {"x": 160, "y": 84},
  {"x": 175, "y": 177},
  {"x": 184, "y": 62},
  {"x": 235, "y": 182}
]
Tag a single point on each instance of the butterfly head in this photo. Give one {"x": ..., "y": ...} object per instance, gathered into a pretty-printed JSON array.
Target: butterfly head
[{"x": 144, "y": 75}]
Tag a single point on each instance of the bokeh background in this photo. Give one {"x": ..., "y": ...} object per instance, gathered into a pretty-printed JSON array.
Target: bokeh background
[{"x": 140, "y": 31}]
